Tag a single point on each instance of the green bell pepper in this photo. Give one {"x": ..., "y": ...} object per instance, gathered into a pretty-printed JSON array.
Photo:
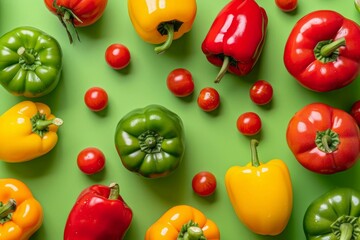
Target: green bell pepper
[
  {"x": 31, "y": 62},
  {"x": 334, "y": 216},
  {"x": 150, "y": 141}
]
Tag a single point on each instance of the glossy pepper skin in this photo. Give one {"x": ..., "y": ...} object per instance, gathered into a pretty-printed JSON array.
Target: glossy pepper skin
[
  {"x": 322, "y": 51},
  {"x": 27, "y": 130},
  {"x": 162, "y": 21},
  {"x": 235, "y": 39},
  {"x": 333, "y": 215},
  {"x": 99, "y": 213},
  {"x": 324, "y": 139},
  {"x": 21, "y": 215},
  {"x": 183, "y": 222},
  {"x": 150, "y": 141},
  {"x": 261, "y": 194},
  {"x": 31, "y": 62}
]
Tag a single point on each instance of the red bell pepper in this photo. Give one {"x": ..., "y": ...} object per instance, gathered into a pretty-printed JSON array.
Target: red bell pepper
[
  {"x": 324, "y": 139},
  {"x": 99, "y": 213},
  {"x": 236, "y": 37},
  {"x": 322, "y": 51}
]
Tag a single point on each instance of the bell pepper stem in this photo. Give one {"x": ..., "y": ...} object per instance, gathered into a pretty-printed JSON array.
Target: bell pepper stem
[
  {"x": 223, "y": 69},
  {"x": 114, "y": 191},
  {"x": 193, "y": 233},
  {"x": 254, "y": 155},
  {"x": 328, "y": 49},
  {"x": 28, "y": 57},
  {"x": 43, "y": 124},
  {"x": 327, "y": 141},
  {"x": 169, "y": 27},
  {"x": 7, "y": 209},
  {"x": 346, "y": 230}
]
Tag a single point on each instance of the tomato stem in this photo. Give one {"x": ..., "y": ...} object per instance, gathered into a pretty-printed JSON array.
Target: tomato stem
[{"x": 224, "y": 68}]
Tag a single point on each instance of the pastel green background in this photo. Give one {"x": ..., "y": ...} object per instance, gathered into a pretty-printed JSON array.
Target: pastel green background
[{"x": 212, "y": 140}]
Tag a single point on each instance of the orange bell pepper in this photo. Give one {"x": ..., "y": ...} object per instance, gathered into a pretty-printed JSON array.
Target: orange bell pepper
[
  {"x": 183, "y": 222},
  {"x": 261, "y": 194},
  {"x": 21, "y": 215}
]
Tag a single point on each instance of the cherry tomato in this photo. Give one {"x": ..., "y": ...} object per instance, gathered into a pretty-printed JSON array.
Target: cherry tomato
[
  {"x": 208, "y": 99},
  {"x": 117, "y": 56},
  {"x": 180, "y": 82},
  {"x": 204, "y": 183},
  {"x": 91, "y": 160},
  {"x": 249, "y": 123},
  {"x": 261, "y": 92},
  {"x": 355, "y": 111},
  {"x": 96, "y": 99},
  {"x": 286, "y": 5}
]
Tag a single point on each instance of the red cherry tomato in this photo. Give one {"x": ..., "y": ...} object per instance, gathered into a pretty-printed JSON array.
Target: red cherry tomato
[
  {"x": 91, "y": 160},
  {"x": 286, "y": 5},
  {"x": 208, "y": 99},
  {"x": 96, "y": 99},
  {"x": 355, "y": 111},
  {"x": 117, "y": 56},
  {"x": 261, "y": 92},
  {"x": 204, "y": 183},
  {"x": 249, "y": 123},
  {"x": 180, "y": 82}
]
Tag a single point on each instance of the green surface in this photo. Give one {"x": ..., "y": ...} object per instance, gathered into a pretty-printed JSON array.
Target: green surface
[{"x": 212, "y": 140}]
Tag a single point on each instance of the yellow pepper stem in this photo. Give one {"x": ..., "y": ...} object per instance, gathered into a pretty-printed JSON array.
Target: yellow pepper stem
[
  {"x": 191, "y": 231},
  {"x": 6, "y": 210},
  {"x": 40, "y": 124},
  {"x": 169, "y": 27},
  {"x": 254, "y": 156}
]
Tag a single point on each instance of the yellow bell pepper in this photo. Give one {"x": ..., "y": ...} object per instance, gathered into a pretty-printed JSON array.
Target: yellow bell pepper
[
  {"x": 27, "y": 131},
  {"x": 162, "y": 21},
  {"x": 21, "y": 215},
  {"x": 261, "y": 194},
  {"x": 183, "y": 222}
]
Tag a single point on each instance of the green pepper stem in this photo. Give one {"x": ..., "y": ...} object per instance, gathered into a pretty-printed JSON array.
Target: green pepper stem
[
  {"x": 254, "y": 155},
  {"x": 346, "y": 230},
  {"x": 114, "y": 191},
  {"x": 224, "y": 68},
  {"x": 7, "y": 209},
  {"x": 329, "y": 48},
  {"x": 28, "y": 57},
  {"x": 43, "y": 124},
  {"x": 169, "y": 27}
]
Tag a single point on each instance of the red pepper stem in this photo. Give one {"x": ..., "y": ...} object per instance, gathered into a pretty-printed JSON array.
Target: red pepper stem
[
  {"x": 329, "y": 49},
  {"x": 6, "y": 209},
  {"x": 223, "y": 69},
  {"x": 254, "y": 156},
  {"x": 27, "y": 57},
  {"x": 114, "y": 191},
  {"x": 169, "y": 27},
  {"x": 346, "y": 230}
]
